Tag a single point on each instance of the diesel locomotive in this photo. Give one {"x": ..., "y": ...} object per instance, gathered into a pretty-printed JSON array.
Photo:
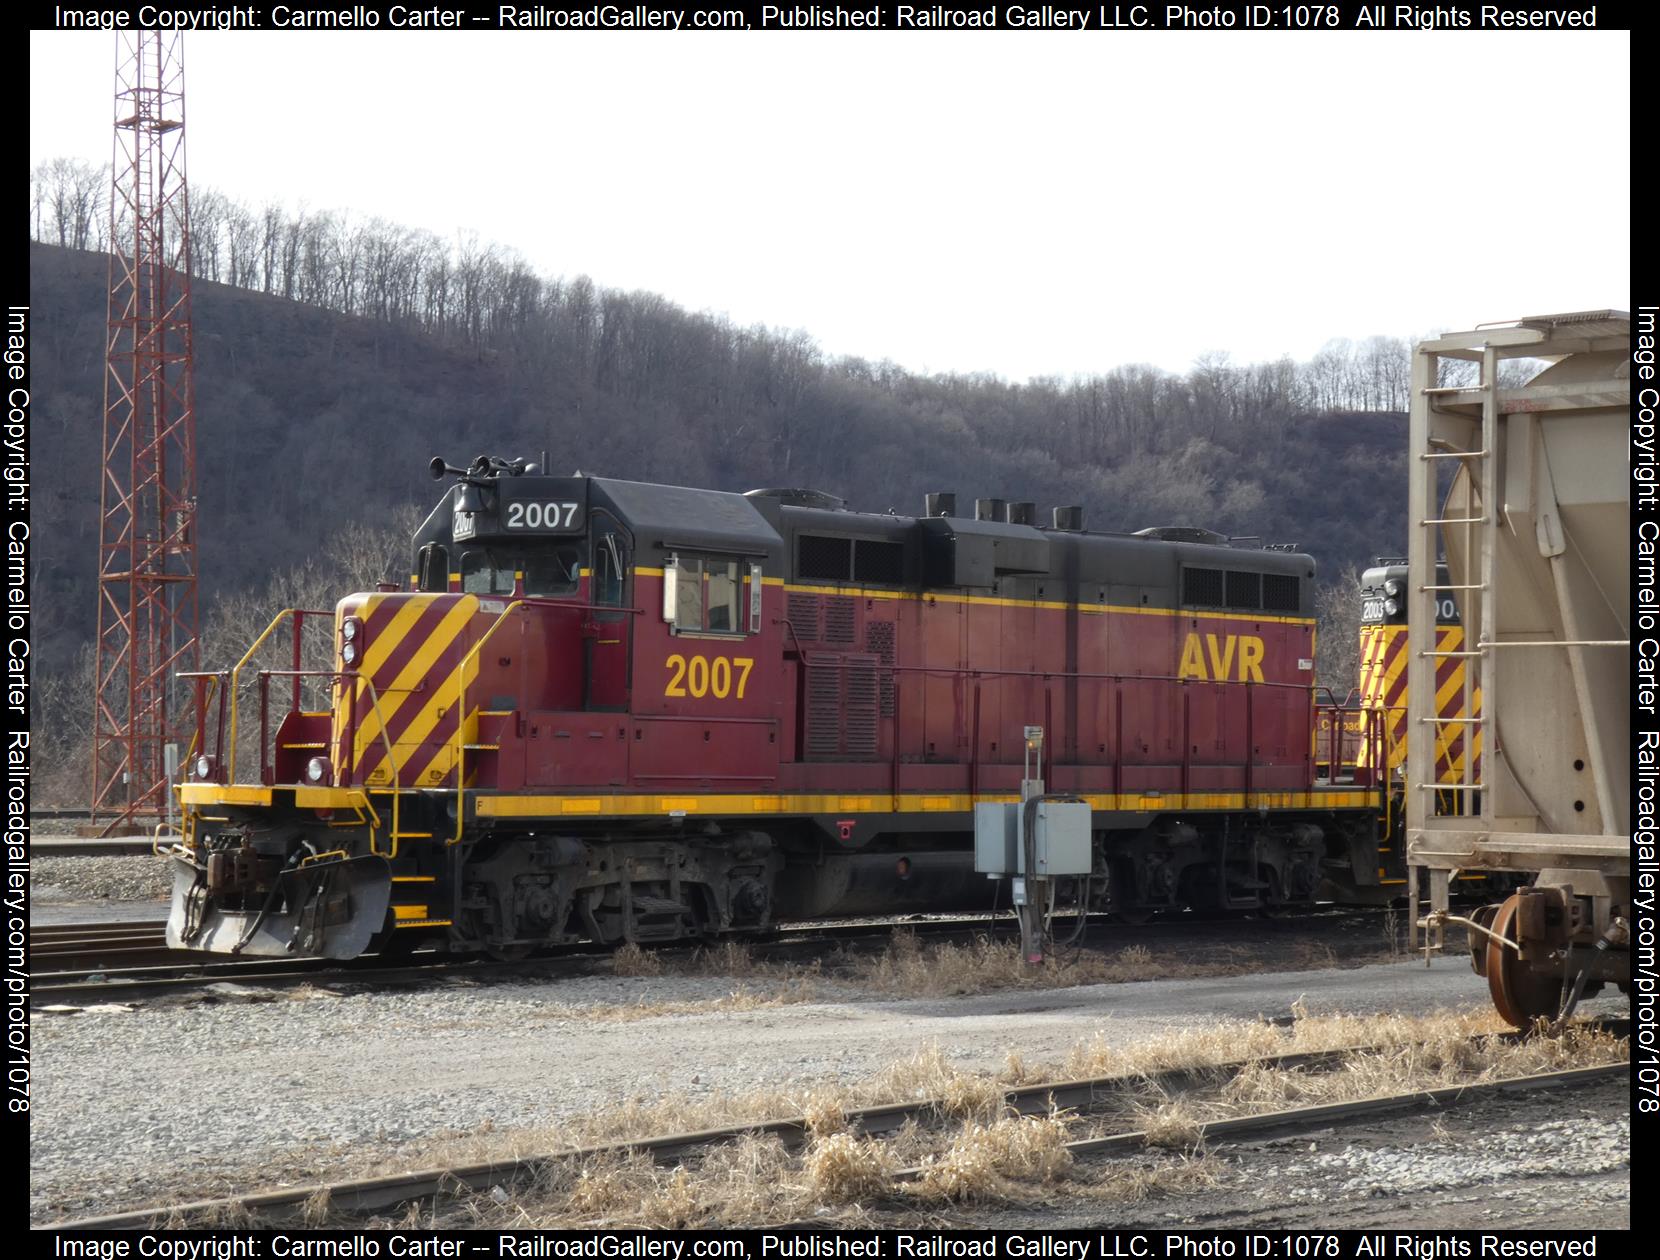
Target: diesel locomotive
[{"x": 607, "y": 710}]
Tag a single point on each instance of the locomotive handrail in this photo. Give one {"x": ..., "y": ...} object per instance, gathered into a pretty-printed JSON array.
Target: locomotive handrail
[
  {"x": 199, "y": 735},
  {"x": 460, "y": 736},
  {"x": 338, "y": 677},
  {"x": 236, "y": 670}
]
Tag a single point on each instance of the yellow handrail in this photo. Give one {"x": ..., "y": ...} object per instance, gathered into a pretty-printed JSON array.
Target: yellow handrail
[
  {"x": 236, "y": 673},
  {"x": 207, "y": 703},
  {"x": 460, "y": 736},
  {"x": 392, "y": 761}
]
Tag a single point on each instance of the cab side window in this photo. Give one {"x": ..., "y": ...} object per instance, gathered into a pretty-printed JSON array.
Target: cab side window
[
  {"x": 608, "y": 572},
  {"x": 720, "y": 597},
  {"x": 703, "y": 594}
]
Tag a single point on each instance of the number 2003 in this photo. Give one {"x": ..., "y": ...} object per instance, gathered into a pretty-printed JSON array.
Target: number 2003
[{"x": 708, "y": 676}]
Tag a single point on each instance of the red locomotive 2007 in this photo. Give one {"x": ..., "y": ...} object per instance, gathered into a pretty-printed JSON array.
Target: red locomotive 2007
[{"x": 615, "y": 711}]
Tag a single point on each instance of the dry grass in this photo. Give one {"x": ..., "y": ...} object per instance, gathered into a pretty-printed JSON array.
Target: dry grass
[
  {"x": 1172, "y": 1124},
  {"x": 972, "y": 1148},
  {"x": 910, "y": 968},
  {"x": 631, "y": 960},
  {"x": 316, "y": 1209},
  {"x": 928, "y": 1074},
  {"x": 984, "y": 1160},
  {"x": 843, "y": 1169},
  {"x": 1124, "y": 1182}
]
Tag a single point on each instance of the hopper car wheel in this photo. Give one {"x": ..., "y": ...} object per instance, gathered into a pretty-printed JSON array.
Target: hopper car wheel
[
  {"x": 512, "y": 953},
  {"x": 1520, "y": 994}
]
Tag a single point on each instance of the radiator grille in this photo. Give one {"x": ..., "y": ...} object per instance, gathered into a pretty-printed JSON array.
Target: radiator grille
[
  {"x": 1202, "y": 586},
  {"x": 802, "y": 611},
  {"x": 879, "y": 562},
  {"x": 879, "y": 643},
  {"x": 823, "y": 559},
  {"x": 824, "y": 705},
  {"x": 1245, "y": 590},
  {"x": 838, "y": 619},
  {"x": 1280, "y": 593},
  {"x": 842, "y": 706},
  {"x": 859, "y": 696}
]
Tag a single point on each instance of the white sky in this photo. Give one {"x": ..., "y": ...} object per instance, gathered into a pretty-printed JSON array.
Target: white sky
[{"x": 1021, "y": 203}]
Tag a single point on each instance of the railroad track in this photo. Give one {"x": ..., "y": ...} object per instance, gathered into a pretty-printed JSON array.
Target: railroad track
[
  {"x": 370, "y": 1196},
  {"x": 91, "y": 846},
  {"x": 76, "y": 962}
]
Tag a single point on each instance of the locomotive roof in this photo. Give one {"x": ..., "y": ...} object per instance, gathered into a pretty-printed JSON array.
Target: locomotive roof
[
  {"x": 946, "y": 550},
  {"x": 679, "y": 516}
]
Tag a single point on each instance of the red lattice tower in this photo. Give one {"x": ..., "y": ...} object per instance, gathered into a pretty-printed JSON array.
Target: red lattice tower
[{"x": 147, "y": 548}]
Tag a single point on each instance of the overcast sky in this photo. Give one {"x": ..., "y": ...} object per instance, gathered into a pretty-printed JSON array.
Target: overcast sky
[{"x": 1019, "y": 203}]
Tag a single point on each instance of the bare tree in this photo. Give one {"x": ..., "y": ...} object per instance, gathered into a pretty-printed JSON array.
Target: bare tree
[{"x": 1337, "y": 645}]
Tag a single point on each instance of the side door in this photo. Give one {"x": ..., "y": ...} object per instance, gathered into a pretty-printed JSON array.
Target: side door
[{"x": 608, "y": 627}]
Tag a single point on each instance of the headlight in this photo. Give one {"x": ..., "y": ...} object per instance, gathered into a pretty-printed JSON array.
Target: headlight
[
  {"x": 1391, "y": 587},
  {"x": 349, "y": 629},
  {"x": 204, "y": 767},
  {"x": 1391, "y": 606},
  {"x": 317, "y": 770},
  {"x": 348, "y": 653}
]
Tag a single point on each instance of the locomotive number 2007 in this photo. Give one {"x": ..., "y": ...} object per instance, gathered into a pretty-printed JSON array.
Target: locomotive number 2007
[
  {"x": 699, "y": 676},
  {"x": 521, "y": 515}
]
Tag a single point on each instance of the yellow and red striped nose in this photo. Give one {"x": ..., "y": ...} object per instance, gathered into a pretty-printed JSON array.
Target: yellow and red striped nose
[
  {"x": 397, "y": 721},
  {"x": 1383, "y": 658}
]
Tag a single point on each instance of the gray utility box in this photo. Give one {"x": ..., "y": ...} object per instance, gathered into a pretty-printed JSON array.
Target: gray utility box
[{"x": 1062, "y": 839}]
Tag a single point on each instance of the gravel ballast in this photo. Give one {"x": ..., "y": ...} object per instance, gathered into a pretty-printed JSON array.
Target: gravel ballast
[
  {"x": 170, "y": 1099},
  {"x": 135, "y": 878}
]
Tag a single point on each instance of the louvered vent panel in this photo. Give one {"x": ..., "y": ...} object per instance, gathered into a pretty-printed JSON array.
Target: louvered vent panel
[
  {"x": 838, "y": 619},
  {"x": 860, "y": 686},
  {"x": 879, "y": 643},
  {"x": 824, "y": 706},
  {"x": 803, "y": 615},
  {"x": 1280, "y": 593}
]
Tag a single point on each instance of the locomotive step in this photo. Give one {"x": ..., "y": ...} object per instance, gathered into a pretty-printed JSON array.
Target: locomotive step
[{"x": 659, "y": 905}]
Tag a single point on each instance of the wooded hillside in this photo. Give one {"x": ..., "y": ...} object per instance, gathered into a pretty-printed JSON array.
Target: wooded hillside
[{"x": 310, "y": 419}]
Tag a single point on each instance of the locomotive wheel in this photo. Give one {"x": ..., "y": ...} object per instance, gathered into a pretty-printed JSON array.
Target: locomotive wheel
[{"x": 1520, "y": 994}]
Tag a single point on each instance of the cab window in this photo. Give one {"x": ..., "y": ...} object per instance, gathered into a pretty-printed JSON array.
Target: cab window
[
  {"x": 550, "y": 569},
  {"x": 706, "y": 595},
  {"x": 608, "y": 572}
]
